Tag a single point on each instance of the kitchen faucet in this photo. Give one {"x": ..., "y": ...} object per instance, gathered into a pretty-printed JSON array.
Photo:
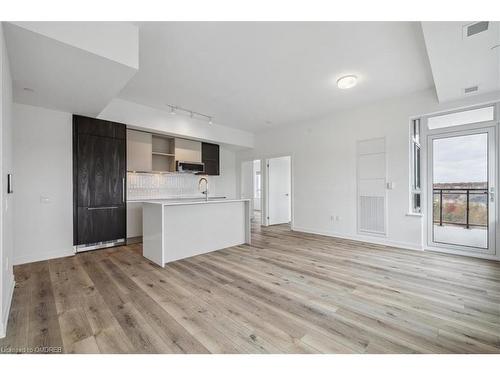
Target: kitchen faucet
[{"x": 206, "y": 187}]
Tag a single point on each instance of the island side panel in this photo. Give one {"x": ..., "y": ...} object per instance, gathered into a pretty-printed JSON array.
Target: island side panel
[
  {"x": 201, "y": 228},
  {"x": 152, "y": 233}
]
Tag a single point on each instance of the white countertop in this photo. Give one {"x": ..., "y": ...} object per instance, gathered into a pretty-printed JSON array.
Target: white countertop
[
  {"x": 180, "y": 202},
  {"x": 179, "y": 199}
]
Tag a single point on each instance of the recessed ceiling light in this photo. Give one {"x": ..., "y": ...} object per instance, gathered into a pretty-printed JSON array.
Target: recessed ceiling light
[{"x": 347, "y": 82}]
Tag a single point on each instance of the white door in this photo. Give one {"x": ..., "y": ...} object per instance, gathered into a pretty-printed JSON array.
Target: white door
[
  {"x": 279, "y": 190},
  {"x": 461, "y": 185}
]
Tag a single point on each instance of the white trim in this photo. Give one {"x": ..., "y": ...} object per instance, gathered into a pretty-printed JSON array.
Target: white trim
[
  {"x": 414, "y": 214},
  {"x": 34, "y": 257},
  {"x": 461, "y": 108},
  {"x": 462, "y": 253},
  {"x": 460, "y": 131},
  {"x": 360, "y": 238},
  {"x": 6, "y": 313}
]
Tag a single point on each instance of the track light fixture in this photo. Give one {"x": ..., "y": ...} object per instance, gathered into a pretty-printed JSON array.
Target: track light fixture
[{"x": 193, "y": 114}]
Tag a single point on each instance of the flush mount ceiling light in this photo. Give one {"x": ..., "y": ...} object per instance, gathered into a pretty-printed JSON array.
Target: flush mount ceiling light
[{"x": 347, "y": 82}]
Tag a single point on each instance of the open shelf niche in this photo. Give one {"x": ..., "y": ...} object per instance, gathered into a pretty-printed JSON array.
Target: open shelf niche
[{"x": 163, "y": 153}]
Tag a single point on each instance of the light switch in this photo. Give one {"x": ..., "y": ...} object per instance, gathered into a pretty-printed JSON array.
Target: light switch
[
  {"x": 390, "y": 185},
  {"x": 44, "y": 200}
]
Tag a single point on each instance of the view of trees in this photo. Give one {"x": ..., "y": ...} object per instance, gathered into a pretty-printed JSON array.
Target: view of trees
[{"x": 454, "y": 204}]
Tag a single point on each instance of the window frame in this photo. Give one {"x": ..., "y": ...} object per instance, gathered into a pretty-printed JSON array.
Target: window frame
[{"x": 415, "y": 182}]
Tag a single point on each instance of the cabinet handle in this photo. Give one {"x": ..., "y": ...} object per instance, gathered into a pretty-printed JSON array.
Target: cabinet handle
[
  {"x": 101, "y": 208},
  {"x": 123, "y": 190}
]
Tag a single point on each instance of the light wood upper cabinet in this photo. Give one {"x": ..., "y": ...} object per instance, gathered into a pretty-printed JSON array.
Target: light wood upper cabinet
[
  {"x": 187, "y": 150},
  {"x": 147, "y": 152},
  {"x": 139, "y": 151}
]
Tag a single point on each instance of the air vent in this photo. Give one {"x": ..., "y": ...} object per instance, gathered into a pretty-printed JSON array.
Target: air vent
[
  {"x": 470, "y": 90},
  {"x": 475, "y": 28}
]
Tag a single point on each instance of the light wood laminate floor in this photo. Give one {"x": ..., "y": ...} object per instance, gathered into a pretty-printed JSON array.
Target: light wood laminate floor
[{"x": 289, "y": 292}]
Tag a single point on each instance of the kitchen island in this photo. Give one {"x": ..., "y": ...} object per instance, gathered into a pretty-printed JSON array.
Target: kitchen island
[{"x": 174, "y": 230}]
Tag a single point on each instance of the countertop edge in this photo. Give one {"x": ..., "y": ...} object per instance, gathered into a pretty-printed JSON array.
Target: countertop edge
[{"x": 180, "y": 203}]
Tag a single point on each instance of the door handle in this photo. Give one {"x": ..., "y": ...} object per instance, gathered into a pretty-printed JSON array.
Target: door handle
[
  {"x": 123, "y": 190},
  {"x": 102, "y": 208}
]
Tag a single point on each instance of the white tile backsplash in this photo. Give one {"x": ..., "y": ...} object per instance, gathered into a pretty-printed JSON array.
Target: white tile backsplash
[{"x": 165, "y": 186}]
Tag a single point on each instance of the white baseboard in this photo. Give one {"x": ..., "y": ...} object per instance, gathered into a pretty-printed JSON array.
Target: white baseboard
[
  {"x": 358, "y": 237},
  {"x": 463, "y": 253},
  {"x": 36, "y": 257},
  {"x": 5, "y": 314}
]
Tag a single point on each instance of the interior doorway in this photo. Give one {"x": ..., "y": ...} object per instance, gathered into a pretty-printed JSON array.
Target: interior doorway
[
  {"x": 251, "y": 187},
  {"x": 278, "y": 194},
  {"x": 257, "y": 191}
]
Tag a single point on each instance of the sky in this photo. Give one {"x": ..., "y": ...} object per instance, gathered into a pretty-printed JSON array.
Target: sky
[{"x": 461, "y": 159}]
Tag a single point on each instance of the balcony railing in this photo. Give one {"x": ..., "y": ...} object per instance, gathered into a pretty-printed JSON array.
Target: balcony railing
[{"x": 458, "y": 200}]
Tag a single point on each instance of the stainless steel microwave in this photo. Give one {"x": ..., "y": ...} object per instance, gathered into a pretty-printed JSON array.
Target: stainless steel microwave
[{"x": 189, "y": 167}]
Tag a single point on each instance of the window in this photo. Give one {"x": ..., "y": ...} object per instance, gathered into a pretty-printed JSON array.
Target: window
[
  {"x": 470, "y": 116},
  {"x": 415, "y": 187}
]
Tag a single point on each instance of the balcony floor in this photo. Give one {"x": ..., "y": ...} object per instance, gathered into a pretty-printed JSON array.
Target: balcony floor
[{"x": 456, "y": 235}]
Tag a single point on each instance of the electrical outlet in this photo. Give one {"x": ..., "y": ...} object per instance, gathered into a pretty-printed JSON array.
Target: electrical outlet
[
  {"x": 332, "y": 218},
  {"x": 337, "y": 218}
]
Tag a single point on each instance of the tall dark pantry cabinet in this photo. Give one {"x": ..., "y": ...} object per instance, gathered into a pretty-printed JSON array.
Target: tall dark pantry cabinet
[{"x": 99, "y": 183}]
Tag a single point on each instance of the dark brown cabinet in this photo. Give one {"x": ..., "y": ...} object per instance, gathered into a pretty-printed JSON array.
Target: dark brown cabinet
[
  {"x": 99, "y": 180},
  {"x": 210, "y": 156},
  {"x": 101, "y": 171},
  {"x": 98, "y": 224}
]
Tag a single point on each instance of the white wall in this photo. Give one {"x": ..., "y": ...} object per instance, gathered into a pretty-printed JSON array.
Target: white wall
[
  {"x": 6, "y": 200},
  {"x": 161, "y": 121},
  {"x": 43, "y": 162},
  {"x": 225, "y": 184},
  {"x": 324, "y": 165}
]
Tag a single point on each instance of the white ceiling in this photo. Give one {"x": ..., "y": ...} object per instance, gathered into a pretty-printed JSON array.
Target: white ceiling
[
  {"x": 458, "y": 62},
  {"x": 248, "y": 74},
  {"x": 60, "y": 75}
]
